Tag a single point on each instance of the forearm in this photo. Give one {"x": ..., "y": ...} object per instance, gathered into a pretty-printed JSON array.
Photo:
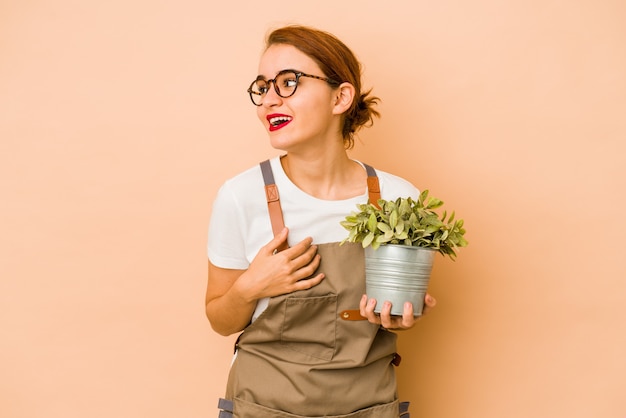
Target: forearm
[{"x": 230, "y": 312}]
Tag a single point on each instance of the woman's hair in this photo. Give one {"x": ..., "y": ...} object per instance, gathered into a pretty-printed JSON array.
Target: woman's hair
[{"x": 337, "y": 62}]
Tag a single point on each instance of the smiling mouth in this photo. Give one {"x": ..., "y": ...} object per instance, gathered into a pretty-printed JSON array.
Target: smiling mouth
[{"x": 277, "y": 122}]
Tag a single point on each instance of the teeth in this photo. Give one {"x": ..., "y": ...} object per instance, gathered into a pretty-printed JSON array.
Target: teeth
[{"x": 279, "y": 119}]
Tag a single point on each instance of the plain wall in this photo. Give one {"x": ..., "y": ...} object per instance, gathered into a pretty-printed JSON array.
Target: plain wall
[{"x": 120, "y": 119}]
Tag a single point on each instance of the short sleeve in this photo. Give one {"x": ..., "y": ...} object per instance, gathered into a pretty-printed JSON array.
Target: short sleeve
[
  {"x": 226, "y": 245},
  {"x": 393, "y": 187}
]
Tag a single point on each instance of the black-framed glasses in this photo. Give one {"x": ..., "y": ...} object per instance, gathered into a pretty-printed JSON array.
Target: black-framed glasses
[{"x": 285, "y": 85}]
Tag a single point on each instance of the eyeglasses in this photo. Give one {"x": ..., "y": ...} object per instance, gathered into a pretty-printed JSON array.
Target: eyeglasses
[{"x": 285, "y": 85}]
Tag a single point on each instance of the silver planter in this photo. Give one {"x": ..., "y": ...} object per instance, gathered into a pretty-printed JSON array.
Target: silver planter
[{"x": 398, "y": 274}]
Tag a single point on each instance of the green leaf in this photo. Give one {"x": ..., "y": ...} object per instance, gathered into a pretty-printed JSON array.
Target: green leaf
[
  {"x": 431, "y": 228},
  {"x": 402, "y": 236},
  {"x": 434, "y": 203},
  {"x": 348, "y": 224},
  {"x": 384, "y": 238},
  {"x": 393, "y": 219},
  {"x": 368, "y": 240},
  {"x": 372, "y": 222},
  {"x": 405, "y": 205}
]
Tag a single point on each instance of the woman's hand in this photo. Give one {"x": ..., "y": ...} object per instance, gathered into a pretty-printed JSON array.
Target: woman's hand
[
  {"x": 274, "y": 273},
  {"x": 386, "y": 320},
  {"x": 232, "y": 295}
]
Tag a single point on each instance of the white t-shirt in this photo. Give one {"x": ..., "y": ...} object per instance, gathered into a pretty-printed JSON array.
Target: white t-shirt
[{"x": 240, "y": 223}]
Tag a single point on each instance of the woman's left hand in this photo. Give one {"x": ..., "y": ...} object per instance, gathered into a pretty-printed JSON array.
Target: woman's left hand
[{"x": 386, "y": 320}]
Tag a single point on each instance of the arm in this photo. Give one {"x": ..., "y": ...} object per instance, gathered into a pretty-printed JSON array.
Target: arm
[
  {"x": 232, "y": 295},
  {"x": 226, "y": 308}
]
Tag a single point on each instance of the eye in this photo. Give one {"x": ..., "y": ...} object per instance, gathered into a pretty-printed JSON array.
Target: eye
[
  {"x": 287, "y": 81},
  {"x": 290, "y": 82},
  {"x": 260, "y": 87}
]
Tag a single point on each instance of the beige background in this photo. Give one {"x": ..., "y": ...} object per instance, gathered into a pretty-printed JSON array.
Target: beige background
[{"x": 119, "y": 120}]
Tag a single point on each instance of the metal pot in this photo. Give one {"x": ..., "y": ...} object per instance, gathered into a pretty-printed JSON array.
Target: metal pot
[{"x": 398, "y": 274}]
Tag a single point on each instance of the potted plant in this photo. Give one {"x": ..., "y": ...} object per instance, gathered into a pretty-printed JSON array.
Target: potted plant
[{"x": 401, "y": 238}]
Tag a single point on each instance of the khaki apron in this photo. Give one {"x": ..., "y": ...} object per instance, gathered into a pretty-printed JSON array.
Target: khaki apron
[{"x": 311, "y": 354}]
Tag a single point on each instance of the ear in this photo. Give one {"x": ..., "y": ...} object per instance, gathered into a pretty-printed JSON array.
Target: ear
[{"x": 343, "y": 97}]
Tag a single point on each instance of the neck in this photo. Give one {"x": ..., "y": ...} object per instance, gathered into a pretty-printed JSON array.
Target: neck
[{"x": 331, "y": 176}]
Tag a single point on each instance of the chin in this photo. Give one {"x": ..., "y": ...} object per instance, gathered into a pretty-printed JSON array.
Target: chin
[{"x": 280, "y": 143}]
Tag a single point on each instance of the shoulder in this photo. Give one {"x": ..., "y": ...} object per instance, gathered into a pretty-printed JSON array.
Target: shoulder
[
  {"x": 245, "y": 180},
  {"x": 393, "y": 186},
  {"x": 245, "y": 186}
]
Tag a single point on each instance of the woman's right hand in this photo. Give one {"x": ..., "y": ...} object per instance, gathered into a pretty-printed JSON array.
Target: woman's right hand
[
  {"x": 232, "y": 295},
  {"x": 273, "y": 273}
]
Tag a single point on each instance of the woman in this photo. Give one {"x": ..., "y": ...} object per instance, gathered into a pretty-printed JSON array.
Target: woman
[{"x": 311, "y": 343}]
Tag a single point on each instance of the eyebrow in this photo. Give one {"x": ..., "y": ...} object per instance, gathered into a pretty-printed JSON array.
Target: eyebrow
[{"x": 262, "y": 77}]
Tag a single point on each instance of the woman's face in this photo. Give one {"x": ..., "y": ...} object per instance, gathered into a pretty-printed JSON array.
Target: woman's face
[{"x": 304, "y": 120}]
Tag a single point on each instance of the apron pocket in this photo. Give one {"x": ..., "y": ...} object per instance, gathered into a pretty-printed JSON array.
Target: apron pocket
[{"x": 309, "y": 325}]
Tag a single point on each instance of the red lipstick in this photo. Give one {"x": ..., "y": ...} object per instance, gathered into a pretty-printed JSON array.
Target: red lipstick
[{"x": 278, "y": 121}]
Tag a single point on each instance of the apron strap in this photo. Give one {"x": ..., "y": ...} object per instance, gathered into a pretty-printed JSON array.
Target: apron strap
[
  {"x": 373, "y": 187},
  {"x": 273, "y": 199},
  {"x": 404, "y": 410},
  {"x": 273, "y": 202},
  {"x": 226, "y": 408}
]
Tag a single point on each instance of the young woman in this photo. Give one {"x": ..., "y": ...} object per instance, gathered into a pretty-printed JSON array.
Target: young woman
[{"x": 311, "y": 343}]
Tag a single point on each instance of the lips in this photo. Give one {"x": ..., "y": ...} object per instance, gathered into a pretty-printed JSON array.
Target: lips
[{"x": 278, "y": 121}]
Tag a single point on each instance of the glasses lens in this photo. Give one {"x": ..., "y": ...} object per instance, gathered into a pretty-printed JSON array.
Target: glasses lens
[
  {"x": 257, "y": 91},
  {"x": 286, "y": 83}
]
